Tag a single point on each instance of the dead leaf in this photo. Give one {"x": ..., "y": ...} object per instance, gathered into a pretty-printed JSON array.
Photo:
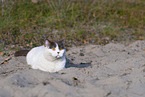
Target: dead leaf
[
  {"x": 86, "y": 10},
  {"x": 31, "y": 43},
  {"x": 5, "y": 60},
  {"x": 1, "y": 52},
  {"x": 27, "y": 45},
  {"x": 94, "y": 14},
  {"x": 143, "y": 49},
  {"x": 53, "y": 13},
  {"x": 8, "y": 58},
  {"x": 129, "y": 43},
  {"x": 34, "y": 1},
  {"x": 2, "y": 62},
  {"x": 141, "y": 38},
  {"x": 85, "y": 42}
]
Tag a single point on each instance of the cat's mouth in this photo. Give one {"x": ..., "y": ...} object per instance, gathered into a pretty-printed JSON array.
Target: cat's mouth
[{"x": 58, "y": 56}]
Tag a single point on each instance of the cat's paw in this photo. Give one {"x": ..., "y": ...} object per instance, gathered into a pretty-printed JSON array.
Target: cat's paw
[{"x": 34, "y": 67}]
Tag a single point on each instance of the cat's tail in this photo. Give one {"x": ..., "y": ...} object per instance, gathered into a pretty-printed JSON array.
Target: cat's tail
[{"x": 21, "y": 53}]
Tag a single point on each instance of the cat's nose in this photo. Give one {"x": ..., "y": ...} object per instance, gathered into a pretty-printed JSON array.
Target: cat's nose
[{"x": 58, "y": 52}]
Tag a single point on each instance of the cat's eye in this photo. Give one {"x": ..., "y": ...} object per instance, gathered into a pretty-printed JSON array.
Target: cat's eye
[
  {"x": 53, "y": 49},
  {"x": 60, "y": 49}
]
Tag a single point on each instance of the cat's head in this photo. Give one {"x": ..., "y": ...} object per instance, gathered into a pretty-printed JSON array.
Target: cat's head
[{"x": 55, "y": 48}]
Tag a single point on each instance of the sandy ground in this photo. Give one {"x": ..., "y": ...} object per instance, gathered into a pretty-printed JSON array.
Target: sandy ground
[{"x": 113, "y": 70}]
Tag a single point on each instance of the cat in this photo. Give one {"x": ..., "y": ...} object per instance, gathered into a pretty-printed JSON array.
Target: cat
[{"x": 50, "y": 57}]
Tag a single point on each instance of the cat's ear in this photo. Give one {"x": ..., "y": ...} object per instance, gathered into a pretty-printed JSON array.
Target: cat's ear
[
  {"x": 47, "y": 43},
  {"x": 62, "y": 41}
]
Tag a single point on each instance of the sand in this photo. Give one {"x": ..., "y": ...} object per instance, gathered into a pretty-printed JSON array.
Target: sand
[{"x": 113, "y": 70}]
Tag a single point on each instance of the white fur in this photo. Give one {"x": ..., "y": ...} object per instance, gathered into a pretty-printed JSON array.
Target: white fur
[{"x": 46, "y": 59}]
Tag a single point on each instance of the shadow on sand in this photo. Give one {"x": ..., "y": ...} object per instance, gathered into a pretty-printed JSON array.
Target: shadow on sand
[{"x": 69, "y": 64}]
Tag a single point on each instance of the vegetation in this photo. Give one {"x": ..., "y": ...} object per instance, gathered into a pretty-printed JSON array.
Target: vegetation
[{"x": 26, "y": 23}]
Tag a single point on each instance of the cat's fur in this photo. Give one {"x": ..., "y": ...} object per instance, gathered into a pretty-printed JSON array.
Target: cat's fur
[{"x": 50, "y": 57}]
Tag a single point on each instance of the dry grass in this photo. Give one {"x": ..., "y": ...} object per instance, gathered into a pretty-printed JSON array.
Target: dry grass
[{"x": 78, "y": 21}]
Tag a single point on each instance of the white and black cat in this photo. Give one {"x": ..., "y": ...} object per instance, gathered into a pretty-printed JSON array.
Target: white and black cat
[{"x": 50, "y": 57}]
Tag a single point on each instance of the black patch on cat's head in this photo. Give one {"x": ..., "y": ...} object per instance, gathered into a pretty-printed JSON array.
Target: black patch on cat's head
[
  {"x": 61, "y": 44},
  {"x": 50, "y": 44}
]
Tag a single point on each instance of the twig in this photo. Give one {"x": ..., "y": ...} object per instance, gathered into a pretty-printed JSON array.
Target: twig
[{"x": 6, "y": 60}]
